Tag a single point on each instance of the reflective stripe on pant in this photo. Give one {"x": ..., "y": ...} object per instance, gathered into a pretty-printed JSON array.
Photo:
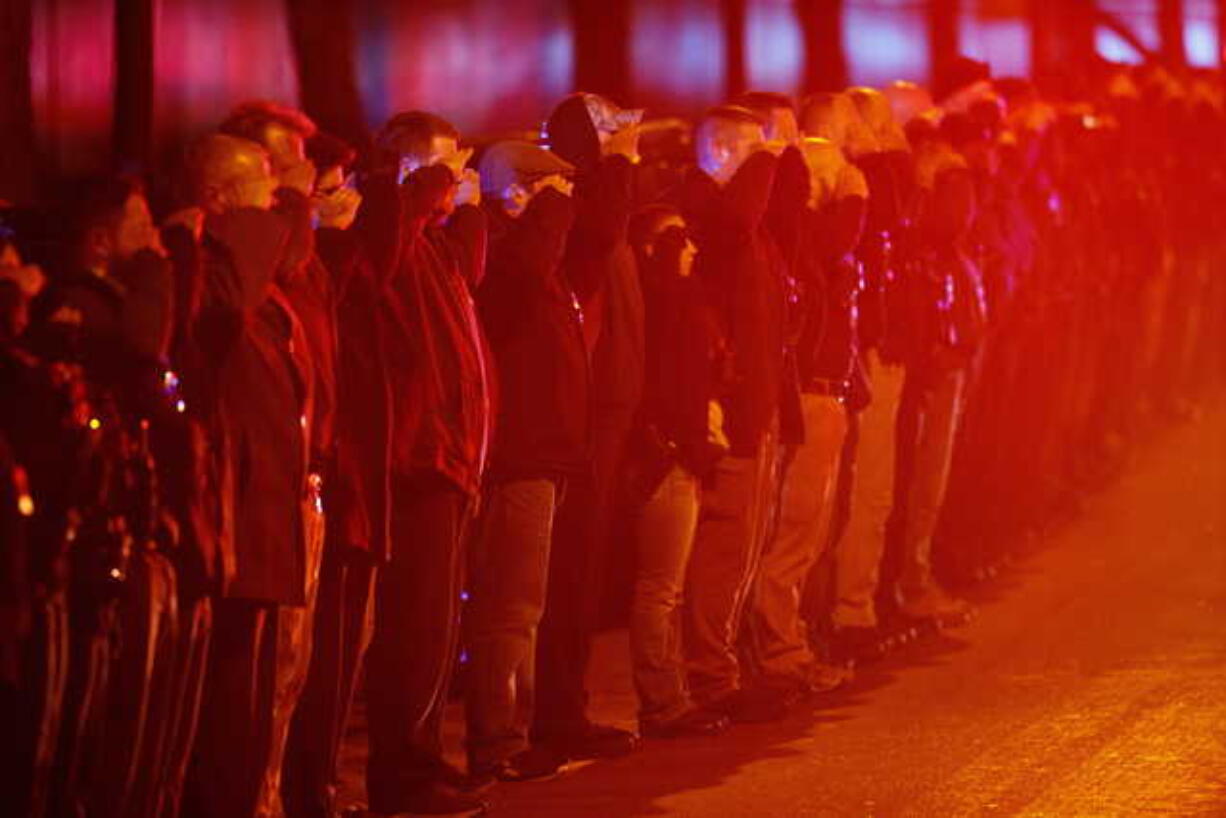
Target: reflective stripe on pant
[
  {"x": 859, "y": 550},
  {"x": 665, "y": 540},
  {"x": 779, "y": 642}
]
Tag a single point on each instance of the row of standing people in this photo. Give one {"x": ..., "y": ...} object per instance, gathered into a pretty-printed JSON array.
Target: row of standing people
[{"x": 280, "y": 439}]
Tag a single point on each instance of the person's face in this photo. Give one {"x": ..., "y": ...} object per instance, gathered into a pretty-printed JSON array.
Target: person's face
[
  {"x": 672, "y": 237},
  {"x": 442, "y": 150},
  {"x": 135, "y": 229},
  {"x": 727, "y": 147},
  {"x": 252, "y": 185},
  {"x": 782, "y": 126},
  {"x": 286, "y": 147}
]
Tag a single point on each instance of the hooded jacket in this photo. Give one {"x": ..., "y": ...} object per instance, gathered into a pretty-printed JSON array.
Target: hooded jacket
[
  {"x": 599, "y": 262},
  {"x": 742, "y": 273},
  {"x": 532, "y": 320}
]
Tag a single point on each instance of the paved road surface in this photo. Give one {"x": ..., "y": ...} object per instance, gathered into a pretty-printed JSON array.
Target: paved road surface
[{"x": 1093, "y": 683}]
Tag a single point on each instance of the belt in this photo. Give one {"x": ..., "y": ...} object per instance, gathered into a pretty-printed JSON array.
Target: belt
[{"x": 826, "y": 386}]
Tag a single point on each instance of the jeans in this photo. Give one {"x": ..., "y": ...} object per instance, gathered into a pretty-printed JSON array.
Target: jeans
[
  {"x": 938, "y": 412},
  {"x": 413, "y": 651},
  {"x": 510, "y": 568},
  {"x": 666, "y": 528},
  {"x": 859, "y": 551},
  {"x": 578, "y": 564},
  {"x": 778, "y": 640},
  {"x": 727, "y": 547}
]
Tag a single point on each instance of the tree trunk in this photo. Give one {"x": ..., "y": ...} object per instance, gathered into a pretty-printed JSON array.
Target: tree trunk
[
  {"x": 323, "y": 37},
  {"x": 17, "y": 147},
  {"x": 601, "y": 34},
  {"x": 943, "y": 43},
  {"x": 821, "y": 23},
  {"x": 1170, "y": 29},
  {"x": 735, "y": 68},
  {"x": 132, "y": 127}
]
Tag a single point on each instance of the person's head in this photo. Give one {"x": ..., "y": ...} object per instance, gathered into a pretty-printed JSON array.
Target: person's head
[
  {"x": 417, "y": 139},
  {"x": 282, "y": 130},
  {"x": 974, "y": 140},
  {"x": 725, "y": 137},
  {"x": 778, "y": 111},
  {"x": 513, "y": 172},
  {"x": 229, "y": 173},
  {"x": 661, "y": 242},
  {"x": 332, "y": 157},
  {"x": 878, "y": 115},
  {"x": 107, "y": 220},
  {"x": 834, "y": 116}
]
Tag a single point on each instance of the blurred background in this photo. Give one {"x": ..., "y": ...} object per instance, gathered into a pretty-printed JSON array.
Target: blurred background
[{"x": 94, "y": 82}]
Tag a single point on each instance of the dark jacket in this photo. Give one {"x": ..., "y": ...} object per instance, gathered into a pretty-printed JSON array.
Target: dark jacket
[
  {"x": 600, "y": 263},
  {"x": 532, "y": 320},
  {"x": 828, "y": 343},
  {"x": 255, "y": 381},
  {"x": 356, "y": 490},
  {"x": 442, "y": 402},
  {"x": 682, "y": 372},
  {"x": 742, "y": 272}
]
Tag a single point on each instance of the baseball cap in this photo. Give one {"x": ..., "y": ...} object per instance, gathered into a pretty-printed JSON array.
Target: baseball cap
[{"x": 505, "y": 163}]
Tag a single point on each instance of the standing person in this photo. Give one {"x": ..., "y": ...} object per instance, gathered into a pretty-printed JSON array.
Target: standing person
[
  {"x": 937, "y": 367},
  {"x": 601, "y": 141},
  {"x": 253, "y": 352},
  {"x": 831, "y": 228},
  {"x": 355, "y": 488},
  {"x": 532, "y": 320},
  {"x": 427, "y": 236},
  {"x": 672, "y": 453},
  {"x": 726, "y": 200}
]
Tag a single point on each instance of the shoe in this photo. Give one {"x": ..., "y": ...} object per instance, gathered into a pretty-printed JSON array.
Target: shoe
[
  {"x": 751, "y": 706},
  {"x": 597, "y": 741},
  {"x": 533, "y": 764},
  {"x": 696, "y": 723},
  {"x": 824, "y": 677},
  {"x": 854, "y": 645},
  {"x": 935, "y": 604},
  {"x": 438, "y": 799}
]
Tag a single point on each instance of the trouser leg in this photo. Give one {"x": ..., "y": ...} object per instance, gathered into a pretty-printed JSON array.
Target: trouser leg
[
  {"x": 341, "y": 635},
  {"x": 413, "y": 650},
  {"x": 859, "y": 551},
  {"x": 510, "y": 563},
  {"x": 190, "y": 673},
  {"x": 720, "y": 568},
  {"x": 939, "y": 414},
  {"x": 666, "y": 528},
  {"x": 778, "y": 636},
  {"x": 578, "y": 563}
]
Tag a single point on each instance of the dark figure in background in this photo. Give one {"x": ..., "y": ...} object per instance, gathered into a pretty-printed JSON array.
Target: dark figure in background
[
  {"x": 601, "y": 141},
  {"x": 427, "y": 239},
  {"x": 256, "y": 390},
  {"x": 43, "y": 422},
  {"x": 532, "y": 319},
  {"x": 111, "y": 310}
]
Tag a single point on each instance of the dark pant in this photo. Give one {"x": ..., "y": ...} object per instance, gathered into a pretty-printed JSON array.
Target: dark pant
[
  {"x": 343, "y": 620},
  {"x": 31, "y": 703},
  {"x": 190, "y": 671},
  {"x": 413, "y": 651},
  {"x": 577, "y": 567}
]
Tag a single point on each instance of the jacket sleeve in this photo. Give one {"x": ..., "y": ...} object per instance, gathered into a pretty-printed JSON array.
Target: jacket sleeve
[
  {"x": 467, "y": 235},
  {"x": 786, "y": 207},
  {"x": 601, "y": 219},
  {"x": 743, "y": 203}
]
